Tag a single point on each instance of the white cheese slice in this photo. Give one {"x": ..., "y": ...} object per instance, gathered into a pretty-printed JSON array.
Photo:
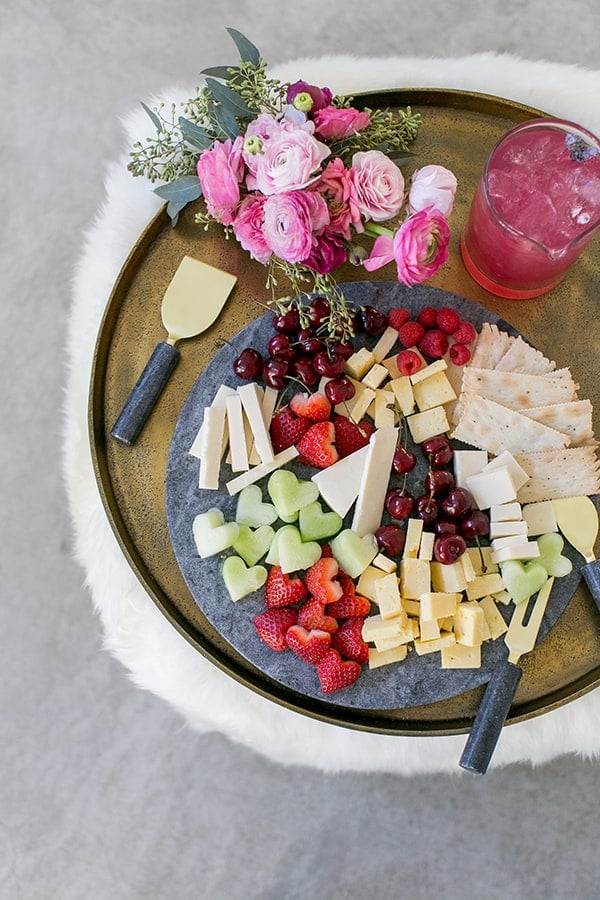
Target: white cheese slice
[
  {"x": 269, "y": 401},
  {"x": 426, "y": 545},
  {"x": 251, "y": 401},
  {"x": 222, "y": 393},
  {"x": 509, "y": 541},
  {"x": 213, "y": 428},
  {"x": 385, "y": 343},
  {"x": 339, "y": 484},
  {"x": 507, "y": 460},
  {"x": 526, "y": 550},
  {"x": 505, "y": 529},
  {"x": 235, "y": 485},
  {"x": 489, "y": 488},
  {"x": 375, "y": 377},
  {"x": 506, "y": 512},
  {"x": 374, "y": 482},
  {"x": 237, "y": 434},
  {"x": 540, "y": 517},
  {"x": 414, "y": 533},
  {"x": 466, "y": 463}
]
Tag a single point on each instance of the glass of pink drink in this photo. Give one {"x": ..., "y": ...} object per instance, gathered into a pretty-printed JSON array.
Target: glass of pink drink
[{"x": 536, "y": 207}]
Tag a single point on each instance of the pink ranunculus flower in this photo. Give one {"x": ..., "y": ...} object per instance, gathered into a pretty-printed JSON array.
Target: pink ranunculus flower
[
  {"x": 432, "y": 186},
  {"x": 378, "y": 184},
  {"x": 419, "y": 247},
  {"x": 248, "y": 227},
  {"x": 220, "y": 170},
  {"x": 320, "y": 96},
  {"x": 290, "y": 162},
  {"x": 333, "y": 124},
  {"x": 327, "y": 253},
  {"x": 336, "y": 186},
  {"x": 292, "y": 221}
]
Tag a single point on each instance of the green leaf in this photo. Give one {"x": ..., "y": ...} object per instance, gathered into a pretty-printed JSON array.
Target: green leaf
[
  {"x": 155, "y": 120},
  {"x": 174, "y": 207},
  {"x": 218, "y": 72},
  {"x": 194, "y": 135},
  {"x": 229, "y": 100},
  {"x": 246, "y": 49},
  {"x": 226, "y": 120},
  {"x": 182, "y": 190}
]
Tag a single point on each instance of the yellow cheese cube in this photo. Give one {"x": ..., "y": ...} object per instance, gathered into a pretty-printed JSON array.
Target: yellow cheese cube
[
  {"x": 384, "y": 658},
  {"x": 362, "y": 404},
  {"x": 387, "y": 596},
  {"x": 493, "y": 617},
  {"x": 434, "y": 368},
  {"x": 447, "y": 623},
  {"x": 403, "y": 392},
  {"x": 459, "y": 656},
  {"x": 433, "y": 391},
  {"x": 385, "y": 414},
  {"x": 445, "y": 640},
  {"x": 391, "y": 365},
  {"x": 384, "y": 563},
  {"x": 412, "y": 607},
  {"x": 437, "y": 605},
  {"x": 385, "y": 343},
  {"x": 414, "y": 531},
  {"x": 476, "y": 554},
  {"x": 540, "y": 517},
  {"x": 365, "y": 586},
  {"x": 426, "y": 545},
  {"x": 484, "y": 584},
  {"x": 415, "y": 578},
  {"x": 375, "y": 627},
  {"x": 424, "y": 425},
  {"x": 469, "y": 621},
  {"x": 429, "y": 629},
  {"x": 404, "y": 636},
  {"x": 502, "y": 597},
  {"x": 470, "y": 573},
  {"x": 375, "y": 376},
  {"x": 359, "y": 363},
  {"x": 448, "y": 578}
]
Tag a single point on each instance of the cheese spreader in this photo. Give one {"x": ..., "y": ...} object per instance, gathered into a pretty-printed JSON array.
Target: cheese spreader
[
  {"x": 577, "y": 519},
  {"x": 192, "y": 301},
  {"x": 499, "y": 694}
]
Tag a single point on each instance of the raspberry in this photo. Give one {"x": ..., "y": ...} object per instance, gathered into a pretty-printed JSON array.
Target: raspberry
[
  {"x": 408, "y": 362},
  {"x": 398, "y": 316},
  {"x": 410, "y": 333},
  {"x": 448, "y": 319},
  {"x": 428, "y": 317},
  {"x": 434, "y": 343},
  {"x": 459, "y": 354},
  {"x": 465, "y": 333}
]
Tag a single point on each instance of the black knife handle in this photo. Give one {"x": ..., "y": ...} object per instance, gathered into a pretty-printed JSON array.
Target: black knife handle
[
  {"x": 591, "y": 573},
  {"x": 491, "y": 717},
  {"x": 146, "y": 392}
]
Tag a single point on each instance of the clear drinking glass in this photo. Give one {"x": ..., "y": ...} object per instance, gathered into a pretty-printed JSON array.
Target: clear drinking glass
[{"x": 536, "y": 208}]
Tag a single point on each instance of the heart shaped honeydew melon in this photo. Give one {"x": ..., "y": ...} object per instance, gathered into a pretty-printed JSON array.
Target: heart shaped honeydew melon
[
  {"x": 251, "y": 510},
  {"x": 241, "y": 580},
  {"x": 522, "y": 580},
  {"x": 316, "y": 525},
  {"x": 551, "y": 558},
  {"x": 212, "y": 534},
  {"x": 252, "y": 545},
  {"x": 353, "y": 553},
  {"x": 294, "y": 554},
  {"x": 289, "y": 493}
]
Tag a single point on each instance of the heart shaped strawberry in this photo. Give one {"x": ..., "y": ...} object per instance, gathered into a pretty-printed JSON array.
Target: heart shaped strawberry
[
  {"x": 312, "y": 615},
  {"x": 335, "y": 673},
  {"x": 349, "y": 606},
  {"x": 321, "y": 580},
  {"x": 272, "y": 625},
  {"x": 348, "y": 640},
  {"x": 351, "y": 436},
  {"x": 311, "y": 646},
  {"x": 317, "y": 445},
  {"x": 287, "y": 428},
  {"x": 315, "y": 407},
  {"x": 283, "y": 590}
]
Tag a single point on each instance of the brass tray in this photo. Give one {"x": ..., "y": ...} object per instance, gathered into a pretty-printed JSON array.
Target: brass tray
[{"x": 458, "y": 130}]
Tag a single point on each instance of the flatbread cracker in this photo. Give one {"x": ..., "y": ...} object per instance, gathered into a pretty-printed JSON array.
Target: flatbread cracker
[
  {"x": 552, "y": 474},
  {"x": 493, "y": 427},
  {"x": 522, "y": 357},
  {"x": 573, "y": 419},
  {"x": 491, "y": 346},
  {"x": 517, "y": 390}
]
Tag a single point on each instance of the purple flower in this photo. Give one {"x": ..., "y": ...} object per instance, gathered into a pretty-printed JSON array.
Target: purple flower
[
  {"x": 327, "y": 253},
  {"x": 321, "y": 97}
]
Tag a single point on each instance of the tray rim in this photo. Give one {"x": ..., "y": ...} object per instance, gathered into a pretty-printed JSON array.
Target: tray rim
[{"x": 254, "y": 679}]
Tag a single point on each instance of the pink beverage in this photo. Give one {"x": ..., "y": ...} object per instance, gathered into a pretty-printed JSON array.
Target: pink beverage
[{"x": 535, "y": 209}]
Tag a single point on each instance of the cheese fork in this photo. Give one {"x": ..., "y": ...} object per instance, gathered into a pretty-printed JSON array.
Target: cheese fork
[{"x": 500, "y": 692}]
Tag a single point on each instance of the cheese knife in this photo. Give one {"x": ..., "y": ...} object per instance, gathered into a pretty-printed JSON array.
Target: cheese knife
[
  {"x": 577, "y": 519},
  {"x": 499, "y": 694},
  {"x": 194, "y": 298}
]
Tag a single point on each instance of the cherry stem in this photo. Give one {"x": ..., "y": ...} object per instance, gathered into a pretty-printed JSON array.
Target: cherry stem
[
  {"x": 220, "y": 342},
  {"x": 481, "y": 556}
]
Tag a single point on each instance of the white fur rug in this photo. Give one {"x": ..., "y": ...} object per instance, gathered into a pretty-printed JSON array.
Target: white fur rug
[{"x": 157, "y": 657}]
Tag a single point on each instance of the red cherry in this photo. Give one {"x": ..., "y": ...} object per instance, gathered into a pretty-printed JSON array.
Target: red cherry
[
  {"x": 339, "y": 389},
  {"x": 344, "y": 348},
  {"x": 403, "y": 461},
  {"x": 318, "y": 312},
  {"x": 275, "y": 373},
  {"x": 457, "y": 503},
  {"x": 280, "y": 347},
  {"x": 475, "y": 524},
  {"x": 304, "y": 370},
  {"x": 444, "y": 526},
  {"x": 287, "y": 322},
  {"x": 329, "y": 364},
  {"x": 390, "y": 539},
  {"x": 428, "y": 509},
  {"x": 448, "y": 548},
  {"x": 308, "y": 342},
  {"x": 248, "y": 364},
  {"x": 399, "y": 504},
  {"x": 439, "y": 481},
  {"x": 372, "y": 320},
  {"x": 438, "y": 450}
]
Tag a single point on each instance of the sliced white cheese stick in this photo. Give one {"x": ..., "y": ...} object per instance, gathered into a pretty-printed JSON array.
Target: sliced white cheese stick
[
  {"x": 385, "y": 344},
  {"x": 506, "y": 512},
  {"x": 235, "y": 485},
  {"x": 374, "y": 481},
  {"x": 222, "y": 393},
  {"x": 339, "y": 484},
  {"x": 526, "y": 550},
  {"x": 213, "y": 427},
  {"x": 251, "y": 401},
  {"x": 237, "y": 434}
]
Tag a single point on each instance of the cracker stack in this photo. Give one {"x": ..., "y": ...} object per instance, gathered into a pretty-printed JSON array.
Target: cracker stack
[{"x": 513, "y": 398}]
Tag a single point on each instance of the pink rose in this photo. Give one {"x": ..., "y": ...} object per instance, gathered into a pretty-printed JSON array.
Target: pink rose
[
  {"x": 337, "y": 188},
  {"x": 419, "y": 247},
  {"x": 333, "y": 124},
  {"x": 248, "y": 227},
  {"x": 327, "y": 253},
  {"x": 289, "y": 162},
  {"x": 220, "y": 170},
  {"x": 291, "y": 220},
  {"x": 378, "y": 184},
  {"x": 432, "y": 186}
]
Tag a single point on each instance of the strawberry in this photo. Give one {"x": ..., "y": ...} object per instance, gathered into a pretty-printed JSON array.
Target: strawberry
[
  {"x": 317, "y": 445},
  {"x": 271, "y": 626},
  {"x": 311, "y": 646},
  {"x": 334, "y": 673},
  {"x": 311, "y": 616},
  {"x": 448, "y": 319},
  {"x": 349, "y": 606},
  {"x": 410, "y": 333},
  {"x": 427, "y": 317},
  {"x": 465, "y": 333},
  {"x": 321, "y": 581},
  {"x": 348, "y": 640},
  {"x": 315, "y": 407},
  {"x": 283, "y": 590},
  {"x": 351, "y": 436},
  {"x": 434, "y": 343},
  {"x": 408, "y": 362},
  {"x": 398, "y": 316},
  {"x": 459, "y": 354},
  {"x": 287, "y": 428}
]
